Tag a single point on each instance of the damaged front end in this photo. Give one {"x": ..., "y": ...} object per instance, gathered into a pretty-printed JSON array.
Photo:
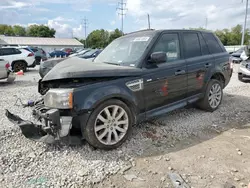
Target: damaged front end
[{"x": 51, "y": 126}]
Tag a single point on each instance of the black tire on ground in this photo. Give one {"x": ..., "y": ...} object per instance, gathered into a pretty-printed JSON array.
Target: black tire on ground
[
  {"x": 19, "y": 65},
  {"x": 204, "y": 103},
  {"x": 89, "y": 129}
]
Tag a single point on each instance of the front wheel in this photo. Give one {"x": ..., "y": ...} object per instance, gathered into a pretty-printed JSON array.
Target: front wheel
[
  {"x": 213, "y": 96},
  {"x": 109, "y": 125}
]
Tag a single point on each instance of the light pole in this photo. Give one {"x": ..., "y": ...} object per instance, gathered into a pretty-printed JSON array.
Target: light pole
[{"x": 245, "y": 23}]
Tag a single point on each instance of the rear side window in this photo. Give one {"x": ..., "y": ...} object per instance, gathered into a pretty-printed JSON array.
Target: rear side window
[
  {"x": 191, "y": 45},
  {"x": 213, "y": 45},
  {"x": 16, "y": 51},
  {"x": 34, "y": 49},
  {"x": 204, "y": 48}
]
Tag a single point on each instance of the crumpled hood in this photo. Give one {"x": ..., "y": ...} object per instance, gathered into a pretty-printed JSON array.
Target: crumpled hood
[{"x": 82, "y": 68}]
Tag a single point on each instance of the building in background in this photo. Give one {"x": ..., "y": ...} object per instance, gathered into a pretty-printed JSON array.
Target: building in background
[{"x": 47, "y": 44}]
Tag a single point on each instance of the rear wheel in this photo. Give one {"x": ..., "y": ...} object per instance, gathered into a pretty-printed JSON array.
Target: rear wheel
[
  {"x": 20, "y": 65},
  {"x": 109, "y": 125},
  {"x": 213, "y": 96}
]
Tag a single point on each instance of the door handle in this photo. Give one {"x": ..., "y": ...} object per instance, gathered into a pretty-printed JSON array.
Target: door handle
[
  {"x": 179, "y": 72},
  {"x": 207, "y": 65}
]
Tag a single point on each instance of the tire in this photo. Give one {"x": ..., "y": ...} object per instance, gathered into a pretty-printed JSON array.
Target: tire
[
  {"x": 19, "y": 65},
  {"x": 96, "y": 126},
  {"x": 204, "y": 103}
]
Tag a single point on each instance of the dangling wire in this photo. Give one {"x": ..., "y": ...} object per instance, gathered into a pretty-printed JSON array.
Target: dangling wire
[{"x": 18, "y": 100}]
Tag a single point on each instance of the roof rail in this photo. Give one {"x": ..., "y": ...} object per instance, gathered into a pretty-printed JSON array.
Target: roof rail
[{"x": 140, "y": 31}]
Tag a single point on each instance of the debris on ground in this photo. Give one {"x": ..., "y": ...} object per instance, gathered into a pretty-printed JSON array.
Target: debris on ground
[{"x": 178, "y": 181}]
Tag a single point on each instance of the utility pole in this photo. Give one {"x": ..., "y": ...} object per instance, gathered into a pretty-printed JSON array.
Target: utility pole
[
  {"x": 121, "y": 8},
  {"x": 245, "y": 23},
  {"x": 85, "y": 22},
  {"x": 148, "y": 21}
]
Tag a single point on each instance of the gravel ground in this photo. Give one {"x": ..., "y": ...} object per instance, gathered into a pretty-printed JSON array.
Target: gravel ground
[{"x": 24, "y": 163}]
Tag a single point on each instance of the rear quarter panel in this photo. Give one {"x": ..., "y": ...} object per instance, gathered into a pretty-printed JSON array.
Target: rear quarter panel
[{"x": 222, "y": 65}]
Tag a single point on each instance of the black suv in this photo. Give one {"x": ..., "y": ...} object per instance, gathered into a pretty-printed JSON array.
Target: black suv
[{"x": 138, "y": 76}]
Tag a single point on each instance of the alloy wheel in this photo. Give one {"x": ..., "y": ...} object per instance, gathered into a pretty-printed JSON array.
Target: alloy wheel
[
  {"x": 215, "y": 95},
  {"x": 111, "y": 125}
]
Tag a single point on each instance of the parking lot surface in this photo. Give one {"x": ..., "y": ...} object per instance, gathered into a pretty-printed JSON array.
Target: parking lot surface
[{"x": 206, "y": 149}]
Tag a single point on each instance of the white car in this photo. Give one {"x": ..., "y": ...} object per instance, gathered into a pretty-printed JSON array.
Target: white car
[
  {"x": 5, "y": 71},
  {"x": 19, "y": 59}
]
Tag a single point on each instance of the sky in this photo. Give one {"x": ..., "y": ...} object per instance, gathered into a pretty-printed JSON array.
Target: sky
[{"x": 66, "y": 16}]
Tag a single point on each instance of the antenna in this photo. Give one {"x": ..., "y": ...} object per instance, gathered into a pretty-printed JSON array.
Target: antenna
[
  {"x": 148, "y": 21},
  {"x": 121, "y": 8},
  {"x": 245, "y": 23},
  {"x": 85, "y": 23}
]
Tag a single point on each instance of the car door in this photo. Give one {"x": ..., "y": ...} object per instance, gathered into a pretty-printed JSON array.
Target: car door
[
  {"x": 199, "y": 61},
  {"x": 165, "y": 83}
]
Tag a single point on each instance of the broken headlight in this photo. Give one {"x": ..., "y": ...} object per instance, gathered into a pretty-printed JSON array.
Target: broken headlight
[{"x": 59, "y": 98}]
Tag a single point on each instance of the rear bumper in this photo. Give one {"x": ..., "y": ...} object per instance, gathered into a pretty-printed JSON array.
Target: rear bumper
[{"x": 52, "y": 126}]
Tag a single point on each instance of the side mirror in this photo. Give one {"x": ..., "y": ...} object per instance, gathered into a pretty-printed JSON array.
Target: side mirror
[{"x": 158, "y": 57}]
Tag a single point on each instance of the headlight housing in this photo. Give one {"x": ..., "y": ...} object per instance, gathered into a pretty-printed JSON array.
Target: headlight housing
[{"x": 59, "y": 98}]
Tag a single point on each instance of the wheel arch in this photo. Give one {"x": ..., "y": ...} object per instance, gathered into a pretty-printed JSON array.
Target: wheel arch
[{"x": 220, "y": 77}]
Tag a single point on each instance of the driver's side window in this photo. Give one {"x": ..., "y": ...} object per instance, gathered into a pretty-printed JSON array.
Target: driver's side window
[{"x": 169, "y": 43}]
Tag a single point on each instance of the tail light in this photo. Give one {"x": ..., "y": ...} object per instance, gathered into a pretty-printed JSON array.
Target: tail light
[
  {"x": 231, "y": 62},
  {"x": 7, "y": 66},
  {"x": 30, "y": 54}
]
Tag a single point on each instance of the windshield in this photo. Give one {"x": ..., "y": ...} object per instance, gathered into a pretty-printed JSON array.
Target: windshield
[{"x": 124, "y": 51}]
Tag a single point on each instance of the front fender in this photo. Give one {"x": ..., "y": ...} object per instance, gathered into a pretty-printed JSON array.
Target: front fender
[{"x": 88, "y": 99}]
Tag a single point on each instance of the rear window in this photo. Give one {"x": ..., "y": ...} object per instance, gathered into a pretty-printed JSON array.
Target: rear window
[
  {"x": 213, "y": 45},
  {"x": 191, "y": 45},
  {"x": 34, "y": 49}
]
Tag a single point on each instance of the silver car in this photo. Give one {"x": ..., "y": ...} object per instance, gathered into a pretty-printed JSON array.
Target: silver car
[
  {"x": 6, "y": 72},
  {"x": 244, "y": 71}
]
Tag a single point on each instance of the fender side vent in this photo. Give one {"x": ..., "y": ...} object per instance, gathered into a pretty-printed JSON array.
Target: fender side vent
[{"x": 135, "y": 85}]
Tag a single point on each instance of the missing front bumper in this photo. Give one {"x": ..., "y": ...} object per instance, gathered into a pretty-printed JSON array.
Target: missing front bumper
[{"x": 53, "y": 128}]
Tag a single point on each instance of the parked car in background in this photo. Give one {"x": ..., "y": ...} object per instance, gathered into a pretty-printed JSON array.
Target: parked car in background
[
  {"x": 5, "y": 71},
  {"x": 67, "y": 50},
  {"x": 81, "y": 52},
  {"x": 19, "y": 59},
  {"x": 47, "y": 65},
  {"x": 137, "y": 77},
  {"x": 39, "y": 53},
  {"x": 90, "y": 54},
  {"x": 236, "y": 55},
  {"x": 58, "y": 53},
  {"x": 244, "y": 68}
]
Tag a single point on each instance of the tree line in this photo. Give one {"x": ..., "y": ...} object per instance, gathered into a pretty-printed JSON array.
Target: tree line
[
  {"x": 231, "y": 36},
  {"x": 30, "y": 31},
  {"x": 100, "y": 38}
]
